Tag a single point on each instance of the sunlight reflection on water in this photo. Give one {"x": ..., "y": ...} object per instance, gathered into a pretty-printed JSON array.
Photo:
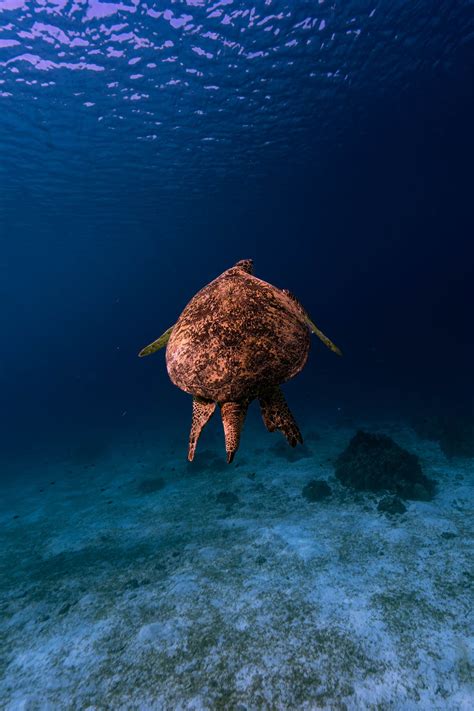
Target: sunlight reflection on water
[{"x": 95, "y": 88}]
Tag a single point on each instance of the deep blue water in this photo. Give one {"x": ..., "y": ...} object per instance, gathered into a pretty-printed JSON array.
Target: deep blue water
[{"x": 146, "y": 147}]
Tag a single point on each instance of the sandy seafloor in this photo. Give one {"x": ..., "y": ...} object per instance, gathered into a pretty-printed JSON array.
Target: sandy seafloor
[{"x": 115, "y": 598}]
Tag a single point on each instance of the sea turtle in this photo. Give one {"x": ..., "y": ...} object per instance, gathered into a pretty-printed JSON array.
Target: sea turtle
[{"x": 238, "y": 339}]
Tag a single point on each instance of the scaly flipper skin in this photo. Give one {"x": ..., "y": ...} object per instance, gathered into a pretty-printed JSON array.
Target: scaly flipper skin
[
  {"x": 233, "y": 416},
  {"x": 277, "y": 415},
  {"x": 202, "y": 413},
  {"x": 156, "y": 345}
]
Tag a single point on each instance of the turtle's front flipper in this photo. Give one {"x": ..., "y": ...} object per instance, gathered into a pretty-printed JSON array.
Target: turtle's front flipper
[
  {"x": 156, "y": 345},
  {"x": 312, "y": 326},
  {"x": 277, "y": 415},
  {"x": 317, "y": 332},
  {"x": 233, "y": 416},
  {"x": 202, "y": 413}
]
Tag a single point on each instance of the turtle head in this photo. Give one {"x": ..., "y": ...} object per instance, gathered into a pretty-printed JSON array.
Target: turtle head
[{"x": 246, "y": 265}]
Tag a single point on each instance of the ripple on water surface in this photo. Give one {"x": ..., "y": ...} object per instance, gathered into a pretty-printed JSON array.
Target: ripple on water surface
[{"x": 178, "y": 88}]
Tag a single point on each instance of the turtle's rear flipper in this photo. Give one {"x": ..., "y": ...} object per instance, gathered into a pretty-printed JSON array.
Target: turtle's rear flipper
[
  {"x": 233, "y": 417},
  {"x": 277, "y": 415},
  {"x": 202, "y": 413}
]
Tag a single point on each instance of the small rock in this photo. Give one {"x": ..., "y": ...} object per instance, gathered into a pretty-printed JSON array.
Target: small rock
[
  {"x": 448, "y": 535},
  {"x": 419, "y": 492},
  {"x": 316, "y": 490},
  {"x": 227, "y": 497},
  {"x": 149, "y": 486},
  {"x": 283, "y": 450},
  {"x": 392, "y": 505},
  {"x": 65, "y": 608},
  {"x": 207, "y": 460}
]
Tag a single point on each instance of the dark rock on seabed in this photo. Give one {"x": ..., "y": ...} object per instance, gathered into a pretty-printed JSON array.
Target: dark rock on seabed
[
  {"x": 373, "y": 462},
  {"x": 227, "y": 497},
  {"x": 150, "y": 486},
  {"x": 207, "y": 461},
  {"x": 281, "y": 449},
  {"x": 391, "y": 505},
  {"x": 316, "y": 490}
]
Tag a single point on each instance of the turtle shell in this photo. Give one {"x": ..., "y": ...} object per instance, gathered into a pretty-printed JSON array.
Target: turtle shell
[{"x": 237, "y": 336}]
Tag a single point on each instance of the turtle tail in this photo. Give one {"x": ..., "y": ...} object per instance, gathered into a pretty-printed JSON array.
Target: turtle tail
[{"x": 233, "y": 417}]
